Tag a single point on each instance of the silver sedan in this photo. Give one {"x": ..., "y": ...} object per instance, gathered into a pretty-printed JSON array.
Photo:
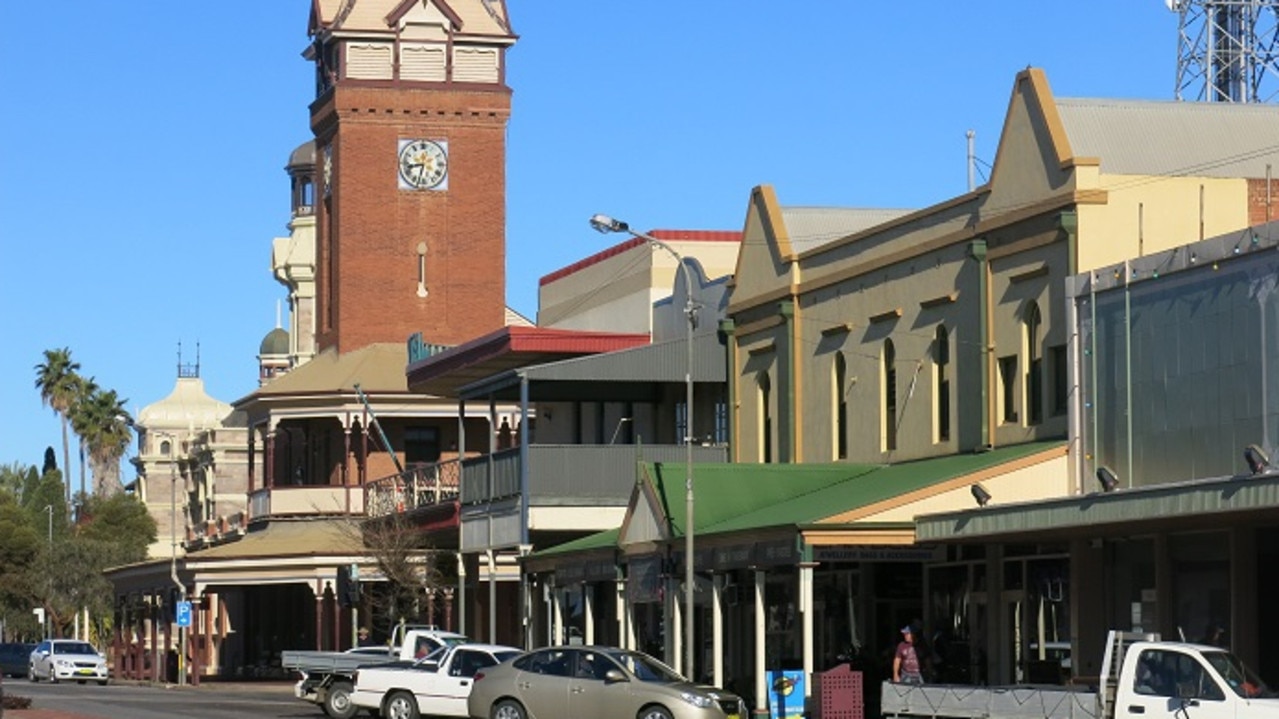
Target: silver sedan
[{"x": 588, "y": 682}]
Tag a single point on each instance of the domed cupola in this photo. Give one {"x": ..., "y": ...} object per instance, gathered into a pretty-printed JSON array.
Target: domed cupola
[
  {"x": 273, "y": 354},
  {"x": 301, "y": 169}
]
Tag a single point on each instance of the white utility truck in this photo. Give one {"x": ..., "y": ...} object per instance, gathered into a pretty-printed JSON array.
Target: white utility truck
[
  {"x": 328, "y": 677},
  {"x": 435, "y": 686},
  {"x": 1141, "y": 678}
]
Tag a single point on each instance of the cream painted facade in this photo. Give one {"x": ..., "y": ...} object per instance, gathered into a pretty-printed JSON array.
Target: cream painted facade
[
  {"x": 615, "y": 290},
  {"x": 192, "y": 467},
  {"x": 943, "y": 330}
]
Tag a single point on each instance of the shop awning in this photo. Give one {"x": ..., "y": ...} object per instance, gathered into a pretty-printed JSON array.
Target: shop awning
[{"x": 1210, "y": 501}]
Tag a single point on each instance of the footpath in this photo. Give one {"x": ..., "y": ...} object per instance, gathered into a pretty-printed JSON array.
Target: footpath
[{"x": 37, "y": 712}]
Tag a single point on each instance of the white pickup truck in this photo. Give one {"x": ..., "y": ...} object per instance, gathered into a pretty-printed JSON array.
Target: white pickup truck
[
  {"x": 435, "y": 686},
  {"x": 328, "y": 677},
  {"x": 1142, "y": 678}
]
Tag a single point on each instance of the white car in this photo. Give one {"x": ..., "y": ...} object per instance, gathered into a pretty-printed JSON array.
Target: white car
[
  {"x": 67, "y": 659},
  {"x": 436, "y": 685}
]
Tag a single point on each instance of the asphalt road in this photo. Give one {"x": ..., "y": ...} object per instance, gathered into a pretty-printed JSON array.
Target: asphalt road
[{"x": 132, "y": 701}]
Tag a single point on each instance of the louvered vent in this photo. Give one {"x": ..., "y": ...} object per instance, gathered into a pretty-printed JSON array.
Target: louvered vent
[
  {"x": 422, "y": 62},
  {"x": 474, "y": 65},
  {"x": 368, "y": 62}
]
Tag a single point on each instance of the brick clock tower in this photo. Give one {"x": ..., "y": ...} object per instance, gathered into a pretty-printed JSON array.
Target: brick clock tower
[{"x": 410, "y": 129}]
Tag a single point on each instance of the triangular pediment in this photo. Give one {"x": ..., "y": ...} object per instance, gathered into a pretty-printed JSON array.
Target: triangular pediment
[
  {"x": 645, "y": 520},
  {"x": 1034, "y": 159},
  {"x": 766, "y": 259},
  {"x": 436, "y": 13}
]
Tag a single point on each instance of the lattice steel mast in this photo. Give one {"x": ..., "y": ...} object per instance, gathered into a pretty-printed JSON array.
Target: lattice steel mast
[{"x": 1227, "y": 50}]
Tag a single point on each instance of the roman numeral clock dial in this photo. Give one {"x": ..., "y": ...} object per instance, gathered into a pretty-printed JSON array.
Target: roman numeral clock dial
[{"x": 424, "y": 165}]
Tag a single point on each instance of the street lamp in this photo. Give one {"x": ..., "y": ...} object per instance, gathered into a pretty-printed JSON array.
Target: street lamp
[
  {"x": 606, "y": 224},
  {"x": 173, "y": 541},
  {"x": 48, "y": 508}
]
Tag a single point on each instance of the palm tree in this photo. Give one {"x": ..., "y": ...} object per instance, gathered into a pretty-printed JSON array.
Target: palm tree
[
  {"x": 83, "y": 420},
  {"x": 107, "y": 440},
  {"x": 55, "y": 379}
]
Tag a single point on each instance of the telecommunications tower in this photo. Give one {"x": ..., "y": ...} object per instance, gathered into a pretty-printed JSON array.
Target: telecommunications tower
[{"x": 1227, "y": 50}]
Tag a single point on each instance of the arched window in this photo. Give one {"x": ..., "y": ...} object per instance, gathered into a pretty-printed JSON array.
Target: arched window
[
  {"x": 839, "y": 406},
  {"x": 765, "y": 419},
  {"x": 889, "y": 385},
  {"x": 1034, "y": 363},
  {"x": 164, "y": 446},
  {"x": 941, "y": 383}
]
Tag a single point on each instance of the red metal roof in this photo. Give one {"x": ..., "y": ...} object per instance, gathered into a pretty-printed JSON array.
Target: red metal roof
[
  {"x": 506, "y": 349},
  {"x": 668, "y": 235}
]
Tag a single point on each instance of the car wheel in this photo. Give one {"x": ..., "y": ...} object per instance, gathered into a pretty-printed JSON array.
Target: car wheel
[
  {"x": 400, "y": 705},
  {"x": 337, "y": 701},
  {"x": 508, "y": 709},
  {"x": 653, "y": 712},
  {"x": 31, "y": 674},
  {"x": 79, "y": 681},
  {"x": 102, "y": 682},
  {"x": 53, "y": 677}
]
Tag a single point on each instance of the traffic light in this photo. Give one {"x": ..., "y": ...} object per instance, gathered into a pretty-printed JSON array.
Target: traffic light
[{"x": 348, "y": 585}]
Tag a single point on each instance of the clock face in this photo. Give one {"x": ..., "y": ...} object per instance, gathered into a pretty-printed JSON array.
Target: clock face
[
  {"x": 424, "y": 165},
  {"x": 328, "y": 169}
]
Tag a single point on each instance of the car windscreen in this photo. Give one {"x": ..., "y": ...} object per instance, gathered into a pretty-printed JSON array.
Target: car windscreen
[
  {"x": 73, "y": 648},
  {"x": 1242, "y": 680}
]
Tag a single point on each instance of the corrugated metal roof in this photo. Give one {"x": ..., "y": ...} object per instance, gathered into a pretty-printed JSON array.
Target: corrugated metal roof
[
  {"x": 1196, "y": 139},
  {"x": 799, "y": 495},
  {"x": 659, "y": 362},
  {"x": 376, "y": 368},
  {"x": 812, "y": 227},
  {"x": 328, "y": 537}
]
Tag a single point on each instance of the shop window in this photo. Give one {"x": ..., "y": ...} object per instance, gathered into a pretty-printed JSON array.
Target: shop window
[
  {"x": 765, "y": 419},
  {"x": 1008, "y": 388},
  {"x": 839, "y": 406},
  {"x": 1034, "y": 364},
  {"x": 1060, "y": 392},
  {"x": 941, "y": 386},
  {"x": 421, "y": 445},
  {"x": 889, "y": 414}
]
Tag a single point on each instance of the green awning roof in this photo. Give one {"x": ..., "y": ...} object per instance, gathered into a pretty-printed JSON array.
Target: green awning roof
[{"x": 732, "y": 498}]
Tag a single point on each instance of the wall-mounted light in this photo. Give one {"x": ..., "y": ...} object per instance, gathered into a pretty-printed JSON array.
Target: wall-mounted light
[
  {"x": 981, "y": 495},
  {"x": 421, "y": 269},
  {"x": 1258, "y": 462},
  {"x": 1109, "y": 482}
]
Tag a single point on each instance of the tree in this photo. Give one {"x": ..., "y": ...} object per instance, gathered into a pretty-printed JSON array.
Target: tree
[
  {"x": 101, "y": 421},
  {"x": 81, "y": 420},
  {"x": 55, "y": 378},
  {"x": 405, "y": 561}
]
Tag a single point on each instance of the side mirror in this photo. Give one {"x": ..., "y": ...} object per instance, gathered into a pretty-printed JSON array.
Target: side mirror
[{"x": 613, "y": 676}]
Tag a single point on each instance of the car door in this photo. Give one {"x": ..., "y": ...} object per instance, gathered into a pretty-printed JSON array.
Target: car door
[
  {"x": 450, "y": 689},
  {"x": 591, "y": 695},
  {"x": 40, "y": 660},
  {"x": 543, "y": 684},
  {"x": 1169, "y": 684}
]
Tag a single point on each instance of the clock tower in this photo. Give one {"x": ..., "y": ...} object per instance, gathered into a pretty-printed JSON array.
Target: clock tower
[{"x": 410, "y": 127}]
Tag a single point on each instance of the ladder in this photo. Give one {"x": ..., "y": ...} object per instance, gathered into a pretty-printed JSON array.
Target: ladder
[{"x": 1117, "y": 644}]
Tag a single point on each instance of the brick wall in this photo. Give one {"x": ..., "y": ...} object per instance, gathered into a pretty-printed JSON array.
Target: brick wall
[
  {"x": 376, "y": 226},
  {"x": 1257, "y": 201}
]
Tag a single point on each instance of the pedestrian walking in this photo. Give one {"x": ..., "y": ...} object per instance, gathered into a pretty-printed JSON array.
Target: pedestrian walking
[{"x": 906, "y": 668}]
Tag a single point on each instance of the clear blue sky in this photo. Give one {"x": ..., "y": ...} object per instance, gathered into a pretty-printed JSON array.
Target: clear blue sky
[{"x": 142, "y": 147}]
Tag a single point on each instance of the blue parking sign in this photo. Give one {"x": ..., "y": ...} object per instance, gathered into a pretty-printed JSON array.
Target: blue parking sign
[{"x": 184, "y": 614}]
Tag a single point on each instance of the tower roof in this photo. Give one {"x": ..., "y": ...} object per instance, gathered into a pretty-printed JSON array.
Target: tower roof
[
  {"x": 276, "y": 342},
  {"x": 188, "y": 406},
  {"x": 303, "y": 158}
]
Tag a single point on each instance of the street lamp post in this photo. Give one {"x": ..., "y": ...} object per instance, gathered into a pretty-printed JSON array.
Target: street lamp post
[
  {"x": 48, "y": 508},
  {"x": 606, "y": 224},
  {"x": 173, "y": 546}
]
